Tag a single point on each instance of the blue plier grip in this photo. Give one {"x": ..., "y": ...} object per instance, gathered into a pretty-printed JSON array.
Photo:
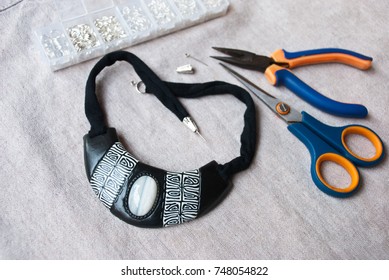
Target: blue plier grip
[{"x": 278, "y": 75}]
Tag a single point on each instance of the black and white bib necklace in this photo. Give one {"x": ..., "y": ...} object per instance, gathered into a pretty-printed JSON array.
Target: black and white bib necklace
[{"x": 147, "y": 196}]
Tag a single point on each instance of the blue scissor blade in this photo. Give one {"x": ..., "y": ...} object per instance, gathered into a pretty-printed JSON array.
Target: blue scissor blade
[{"x": 291, "y": 117}]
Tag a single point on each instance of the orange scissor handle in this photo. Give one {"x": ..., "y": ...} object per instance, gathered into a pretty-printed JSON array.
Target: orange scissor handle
[
  {"x": 369, "y": 135},
  {"x": 343, "y": 162},
  {"x": 321, "y": 152},
  {"x": 328, "y": 143}
]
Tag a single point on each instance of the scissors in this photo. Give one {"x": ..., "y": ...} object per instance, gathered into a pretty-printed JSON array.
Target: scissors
[
  {"x": 324, "y": 142},
  {"x": 276, "y": 69}
]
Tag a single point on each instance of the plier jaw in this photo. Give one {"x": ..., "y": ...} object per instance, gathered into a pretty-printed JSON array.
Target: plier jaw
[{"x": 245, "y": 59}]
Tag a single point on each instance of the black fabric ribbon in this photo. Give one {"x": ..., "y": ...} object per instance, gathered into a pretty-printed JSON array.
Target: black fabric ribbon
[{"x": 167, "y": 93}]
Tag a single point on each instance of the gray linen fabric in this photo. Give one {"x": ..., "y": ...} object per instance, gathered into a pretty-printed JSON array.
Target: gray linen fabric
[{"x": 48, "y": 210}]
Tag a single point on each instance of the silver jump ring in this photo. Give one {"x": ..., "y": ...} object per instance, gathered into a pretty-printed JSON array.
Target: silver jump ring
[{"x": 139, "y": 85}]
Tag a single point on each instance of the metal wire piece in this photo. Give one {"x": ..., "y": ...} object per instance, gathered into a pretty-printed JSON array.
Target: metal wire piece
[{"x": 190, "y": 56}]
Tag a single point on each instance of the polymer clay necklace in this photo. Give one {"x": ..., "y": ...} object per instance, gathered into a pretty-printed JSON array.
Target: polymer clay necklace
[{"x": 147, "y": 196}]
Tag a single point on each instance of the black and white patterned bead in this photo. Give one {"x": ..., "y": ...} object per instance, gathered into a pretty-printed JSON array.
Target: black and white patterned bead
[
  {"x": 111, "y": 173},
  {"x": 182, "y": 200}
]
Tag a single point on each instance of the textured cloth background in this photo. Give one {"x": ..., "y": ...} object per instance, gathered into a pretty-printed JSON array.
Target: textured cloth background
[{"x": 48, "y": 210}]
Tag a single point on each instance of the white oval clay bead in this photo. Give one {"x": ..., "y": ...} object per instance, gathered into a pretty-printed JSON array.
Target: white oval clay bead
[{"x": 142, "y": 195}]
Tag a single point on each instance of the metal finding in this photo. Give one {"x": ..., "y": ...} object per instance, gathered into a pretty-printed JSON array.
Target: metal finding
[
  {"x": 82, "y": 37},
  {"x": 212, "y": 3},
  {"x": 109, "y": 28},
  {"x": 185, "y": 69},
  {"x": 161, "y": 11},
  {"x": 138, "y": 86},
  {"x": 136, "y": 19},
  {"x": 187, "y": 7},
  {"x": 190, "y": 56},
  {"x": 190, "y": 123}
]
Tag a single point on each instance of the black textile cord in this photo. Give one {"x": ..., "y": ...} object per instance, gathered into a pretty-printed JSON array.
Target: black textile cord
[
  {"x": 92, "y": 108},
  {"x": 167, "y": 93},
  {"x": 248, "y": 137}
]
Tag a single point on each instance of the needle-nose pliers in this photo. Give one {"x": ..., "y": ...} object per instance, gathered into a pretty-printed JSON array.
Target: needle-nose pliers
[{"x": 276, "y": 69}]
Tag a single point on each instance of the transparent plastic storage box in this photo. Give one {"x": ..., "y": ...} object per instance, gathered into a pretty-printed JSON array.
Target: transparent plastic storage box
[{"x": 87, "y": 29}]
